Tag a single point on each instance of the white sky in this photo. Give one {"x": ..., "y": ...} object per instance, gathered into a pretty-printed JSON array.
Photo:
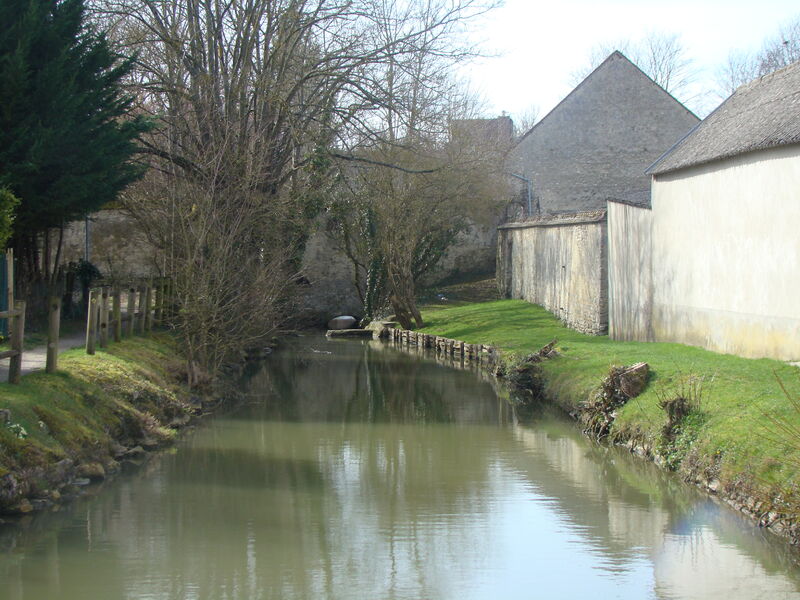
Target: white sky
[{"x": 539, "y": 44}]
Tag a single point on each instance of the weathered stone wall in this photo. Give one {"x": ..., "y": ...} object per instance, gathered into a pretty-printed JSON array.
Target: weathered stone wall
[
  {"x": 725, "y": 258},
  {"x": 597, "y": 143},
  {"x": 118, "y": 246},
  {"x": 473, "y": 253},
  {"x": 330, "y": 290},
  {"x": 630, "y": 276},
  {"x": 560, "y": 264}
]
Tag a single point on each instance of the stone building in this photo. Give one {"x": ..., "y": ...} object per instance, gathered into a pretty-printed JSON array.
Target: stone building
[
  {"x": 715, "y": 260},
  {"x": 592, "y": 147},
  {"x": 598, "y": 141}
]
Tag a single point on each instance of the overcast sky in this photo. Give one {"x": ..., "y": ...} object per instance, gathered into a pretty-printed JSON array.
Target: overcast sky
[{"x": 540, "y": 44}]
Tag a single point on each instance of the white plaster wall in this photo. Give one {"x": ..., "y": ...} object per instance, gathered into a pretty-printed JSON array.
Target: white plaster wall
[
  {"x": 630, "y": 277},
  {"x": 726, "y": 255},
  {"x": 561, "y": 267}
]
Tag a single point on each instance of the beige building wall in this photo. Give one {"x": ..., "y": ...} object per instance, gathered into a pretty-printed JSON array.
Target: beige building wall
[
  {"x": 725, "y": 257},
  {"x": 560, "y": 264}
]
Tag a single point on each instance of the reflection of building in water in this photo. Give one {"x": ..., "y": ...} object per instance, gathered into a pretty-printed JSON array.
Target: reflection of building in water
[
  {"x": 325, "y": 484},
  {"x": 701, "y": 566},
  {"x": 627, "y": 506}
]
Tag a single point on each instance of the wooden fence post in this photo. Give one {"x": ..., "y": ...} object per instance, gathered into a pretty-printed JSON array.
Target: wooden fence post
[
  {"x": 17, "y": 338},
  {"x": 159, "y": 301},
  {"x": 131, "y": 311},
  {"x": 140, "y": 321},
  {"x": 116, "y": 310},
  {"x": 10, "y": 281},
  {"x": 166, "y": 312},
  {"x": 53, "y": 330},
  {"x": 148, "y": 315},
  {"x": 91, "y": 322},
  {"x": 103, "y": 317}
]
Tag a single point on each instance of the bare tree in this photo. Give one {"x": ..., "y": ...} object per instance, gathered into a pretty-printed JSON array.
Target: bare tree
[
  {"x": 525, "y": 120},
  {"x": 411, "y": 193},
  {"x": 776, "y": 52},
  {"x": 781, "y": 50},
  {"x": 739, "y": 68},
  {"x": 253, "y": 98}
]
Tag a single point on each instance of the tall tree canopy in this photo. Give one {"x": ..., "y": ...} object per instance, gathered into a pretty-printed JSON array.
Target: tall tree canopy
[
  {"x": 65, "y": 149},
  {"x": 257, "y": 100}
]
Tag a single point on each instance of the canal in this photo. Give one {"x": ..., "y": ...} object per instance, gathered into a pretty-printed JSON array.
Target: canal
[{"x": 355, "y": 471}]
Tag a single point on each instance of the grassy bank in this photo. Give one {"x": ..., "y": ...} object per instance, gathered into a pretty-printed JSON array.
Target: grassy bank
[
  {"x": 79, "y": 422},
  {"x": 737, "y": 436}
]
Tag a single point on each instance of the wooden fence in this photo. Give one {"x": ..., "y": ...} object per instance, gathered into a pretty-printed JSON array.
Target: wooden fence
[
  {"x": 105, "y": 319},
  {"x": 147, "y": 305}
]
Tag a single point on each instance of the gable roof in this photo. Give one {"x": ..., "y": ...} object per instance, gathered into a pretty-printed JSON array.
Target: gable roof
[
  {"x": 614, "y": 56},
  {"x": 764, "y": 113}
]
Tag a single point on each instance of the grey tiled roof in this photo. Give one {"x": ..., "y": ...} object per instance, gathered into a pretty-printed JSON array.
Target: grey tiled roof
[{"x": 764, "y": 113}]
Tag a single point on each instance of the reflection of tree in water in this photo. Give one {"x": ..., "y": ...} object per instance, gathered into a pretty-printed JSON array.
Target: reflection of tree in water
[
  {"x": 359, "y": 466},
  {"x": 357, "y": 382}
]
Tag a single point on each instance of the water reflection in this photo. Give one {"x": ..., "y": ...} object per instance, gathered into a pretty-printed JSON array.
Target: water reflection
[{"x": 354, "y": 471}]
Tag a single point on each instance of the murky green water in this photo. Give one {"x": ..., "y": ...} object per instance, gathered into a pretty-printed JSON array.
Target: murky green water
[{"x": 357, "y": 472}]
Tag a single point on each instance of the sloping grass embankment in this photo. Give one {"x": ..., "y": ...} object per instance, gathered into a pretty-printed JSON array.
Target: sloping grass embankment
[
  {"x": 742, "y": 436},
  {"x": 79, "y": 422}
]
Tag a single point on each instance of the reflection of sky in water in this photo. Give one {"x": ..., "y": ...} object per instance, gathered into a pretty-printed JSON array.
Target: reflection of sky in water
[{"x": 391, "y": 478}]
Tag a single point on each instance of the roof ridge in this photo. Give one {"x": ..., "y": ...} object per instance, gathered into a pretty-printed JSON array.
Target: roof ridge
[
  {"x": 760, "y": 114},
  {"x": 616, "y": 54}
]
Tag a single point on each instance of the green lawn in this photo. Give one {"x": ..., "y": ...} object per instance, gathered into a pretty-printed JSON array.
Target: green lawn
[
  {"x": 125, "y": 391},
  {"x": 737, "y": 433}
]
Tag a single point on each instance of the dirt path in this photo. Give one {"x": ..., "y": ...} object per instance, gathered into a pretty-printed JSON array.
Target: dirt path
[{"x": 35, "y": 359}]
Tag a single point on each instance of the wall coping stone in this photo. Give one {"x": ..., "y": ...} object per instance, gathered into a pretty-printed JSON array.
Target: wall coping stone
[{"x": 581, "y": 218}]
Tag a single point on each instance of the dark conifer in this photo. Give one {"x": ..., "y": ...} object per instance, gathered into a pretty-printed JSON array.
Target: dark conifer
[{"x": 66, "y": 134}]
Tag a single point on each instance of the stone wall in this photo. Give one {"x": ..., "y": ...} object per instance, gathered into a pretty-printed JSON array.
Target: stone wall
[
  {"x": 560, "y": 264},
  {"x": 329, "y": 291},
  {"x": 724, "y": 254},
  {"x": 473, "y": 253},
  {"x": 117, "y": 246}
]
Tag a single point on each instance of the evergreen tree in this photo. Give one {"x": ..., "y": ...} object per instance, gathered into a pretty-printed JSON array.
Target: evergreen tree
[{"x": 66, "y": 143}]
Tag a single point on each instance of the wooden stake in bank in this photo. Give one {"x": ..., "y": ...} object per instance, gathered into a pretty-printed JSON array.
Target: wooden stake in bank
[
  {"x": 148, "y": 302},
  {"x": 142, "y": 297},
  {"x": 131, "y": 311},
  {"x": 53, "y": 330},
  {"x": 103, "y": 317},
  {"x": 116, "y": 312},
  {"x": 91, "y": 322},
  {"x": 17, "y": 337}
]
